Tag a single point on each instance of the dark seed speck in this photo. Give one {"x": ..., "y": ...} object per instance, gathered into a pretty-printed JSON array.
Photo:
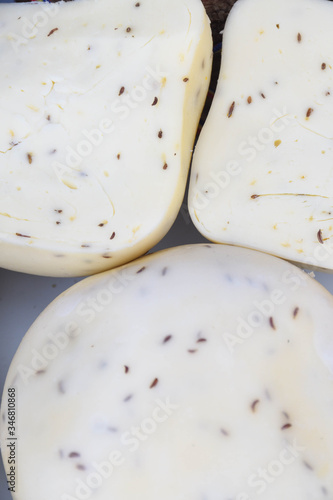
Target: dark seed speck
[
  {"x": 231, "y": 109},
  {"x": 309, "y": 112},
  {"x": 254, "y": 405},
  {"x": 154, "y": 383},
  {"x": 296, "y": 311},
  {"x": 320, "y": 237},
  {"x": 23, "y": 235},
  {"x": 53, "y": 31}
]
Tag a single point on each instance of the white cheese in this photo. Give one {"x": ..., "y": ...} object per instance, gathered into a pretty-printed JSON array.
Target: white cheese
[
  {"x": 201, "y": 372},
  {"x": 262, "y": 171},
  {"x": 99, "y": 105}
]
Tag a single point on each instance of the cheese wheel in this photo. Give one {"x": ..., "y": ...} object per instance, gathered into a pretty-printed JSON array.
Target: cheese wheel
[
  {"x": 99, "y": 104},
  {"x": 201, "y": 372},
  {"x": 262, "y": 170}
]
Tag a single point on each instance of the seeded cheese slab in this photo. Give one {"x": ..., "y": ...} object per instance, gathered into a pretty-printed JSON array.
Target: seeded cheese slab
[
  {"x": 99, "y": 104},
  {"x": 262, "y": 171},
  {"x": 201, "y": 372}
]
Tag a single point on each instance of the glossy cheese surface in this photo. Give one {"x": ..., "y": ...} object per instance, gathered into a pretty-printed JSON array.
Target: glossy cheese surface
[
  {"x": 262, "y": 171},
  {"x": 99, "y": 104},
  {"x": 201, "y": 372}
]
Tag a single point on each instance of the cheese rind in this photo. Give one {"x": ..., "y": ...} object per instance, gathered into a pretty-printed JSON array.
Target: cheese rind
[
  {"x": 198, "y": 372},
  {"x": 100, "y": 102},
  {"x": 262, "y": 170}
]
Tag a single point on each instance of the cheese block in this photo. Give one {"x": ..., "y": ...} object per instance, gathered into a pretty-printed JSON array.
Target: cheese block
[
  {"x": 262, "y": 171},
  {"x": 99, "y": 104},
  {"x": 203, "y": 372}
]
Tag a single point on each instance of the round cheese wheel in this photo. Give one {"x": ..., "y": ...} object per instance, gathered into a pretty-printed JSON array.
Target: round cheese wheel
[{"x": 204, "y": 372}]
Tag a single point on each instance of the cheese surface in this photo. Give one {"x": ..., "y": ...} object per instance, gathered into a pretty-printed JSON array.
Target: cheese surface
[
  {"x": 99, "y": 104},
  {"x": 202, "y": 372},
  {"x": 262, "y": 171}
]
